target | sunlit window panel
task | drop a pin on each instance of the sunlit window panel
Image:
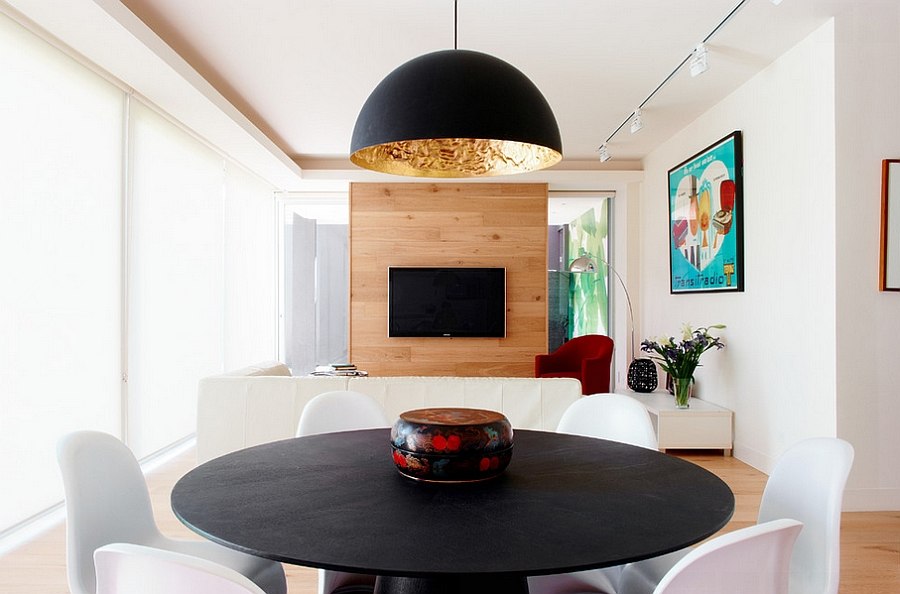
(176, 274)
(60, 263)
(251, 269)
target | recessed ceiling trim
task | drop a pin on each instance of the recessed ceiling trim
(143, 62)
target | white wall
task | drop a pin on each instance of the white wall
(868, 321)
(811, 341)
(778, 370)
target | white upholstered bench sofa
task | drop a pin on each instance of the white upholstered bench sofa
(263, 403)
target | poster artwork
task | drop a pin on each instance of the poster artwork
(705, 220)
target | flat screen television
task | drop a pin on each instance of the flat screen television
(448, 302)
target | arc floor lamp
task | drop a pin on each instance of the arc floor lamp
(642, 375)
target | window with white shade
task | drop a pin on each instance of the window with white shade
(251, 291)
(176, 268)
(60, 263)
(134, 260)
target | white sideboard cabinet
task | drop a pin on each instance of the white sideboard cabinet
(703, 426)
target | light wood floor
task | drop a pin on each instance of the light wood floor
(870, 542)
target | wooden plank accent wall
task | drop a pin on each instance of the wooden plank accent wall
(447, 224)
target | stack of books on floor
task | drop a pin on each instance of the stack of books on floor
(341, 369)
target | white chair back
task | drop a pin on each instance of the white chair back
(135, 569)
(329, 412)
(807, 484)
(753, 560)
(341, 410)
(106, 501)
(616, 417)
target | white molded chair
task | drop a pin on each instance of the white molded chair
(753, 560)
(807, 484)
(616, 417)
(341, 410)
(107, 501)
(592, 581)
(134, 569)
(329, 412)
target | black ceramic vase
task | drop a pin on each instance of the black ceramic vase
(642, 376)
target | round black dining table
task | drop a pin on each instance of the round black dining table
(565, 503)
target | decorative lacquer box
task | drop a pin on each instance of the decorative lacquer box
(451, 444)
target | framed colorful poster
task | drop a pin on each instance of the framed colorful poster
(706, 247)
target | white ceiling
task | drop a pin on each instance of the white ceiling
(300, 70)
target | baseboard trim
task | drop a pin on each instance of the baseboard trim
(867, 500)
(754, 458)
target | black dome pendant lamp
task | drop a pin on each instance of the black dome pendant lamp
(455, 113)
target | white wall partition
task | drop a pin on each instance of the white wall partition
(60, 259)
(300, 296)
(176, 275)
(316, 280)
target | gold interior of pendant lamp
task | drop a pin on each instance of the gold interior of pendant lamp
(455, 157)
(455, 113)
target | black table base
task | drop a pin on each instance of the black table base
(461, 584)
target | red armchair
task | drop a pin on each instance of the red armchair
(586, 358)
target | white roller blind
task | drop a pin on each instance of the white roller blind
(195, 290)
(60, 247)
(176, 278)
(251, 269)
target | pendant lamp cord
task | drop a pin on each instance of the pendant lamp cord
(455, 21)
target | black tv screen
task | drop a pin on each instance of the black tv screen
(446, 302)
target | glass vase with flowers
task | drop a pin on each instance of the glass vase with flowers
(680, 359)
